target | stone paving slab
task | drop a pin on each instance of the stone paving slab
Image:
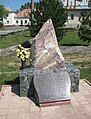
(14, 107)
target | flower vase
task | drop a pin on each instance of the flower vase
(23, 64)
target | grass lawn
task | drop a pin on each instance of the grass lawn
(9, 68)
(71, 38)
(10, 40)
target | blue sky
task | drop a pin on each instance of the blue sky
(14, 4)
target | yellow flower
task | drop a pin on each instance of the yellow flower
(22, 57)
(17, 50)
(25, 52)
(22, 48)
(22, 53)
(18, 54)
(27, 55)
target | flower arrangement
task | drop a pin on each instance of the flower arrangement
(22, 53)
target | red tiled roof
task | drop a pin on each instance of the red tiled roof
(23, 13)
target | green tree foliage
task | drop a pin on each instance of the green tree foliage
(25, 6)
(28, 5)
(48, 9)
(3, 12)
(85, 27)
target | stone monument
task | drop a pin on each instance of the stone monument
(51, 80)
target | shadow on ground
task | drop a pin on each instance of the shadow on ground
(32, 93)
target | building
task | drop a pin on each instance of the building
(9, 21)
(74, 8)
(21, 18)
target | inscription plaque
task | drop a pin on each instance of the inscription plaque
(52, 85)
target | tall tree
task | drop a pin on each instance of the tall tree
(85, 27)
(3, 12)
(49, 9)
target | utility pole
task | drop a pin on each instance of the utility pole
(32, 5)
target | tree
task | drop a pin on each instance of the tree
(28, 5)
(84, 31)
(3, 12)
(25, 6)
(48, 9)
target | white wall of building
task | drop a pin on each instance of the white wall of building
(79, 3)
(9, 20)
(21, 21)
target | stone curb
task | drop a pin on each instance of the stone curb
(64, 49)
(9, 51)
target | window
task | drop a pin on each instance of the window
(72, 16)
(89, 4)
(17, 21)
(25, 21)
(8, 22)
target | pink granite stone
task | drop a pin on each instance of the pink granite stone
(46, 48)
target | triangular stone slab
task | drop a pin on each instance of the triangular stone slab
(51, 79)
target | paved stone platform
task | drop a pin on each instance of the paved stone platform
(14, 107)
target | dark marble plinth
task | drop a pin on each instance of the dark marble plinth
(74, 74)
(26, 76)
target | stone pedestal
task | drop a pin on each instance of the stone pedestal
(26, 76)
(74, 74)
